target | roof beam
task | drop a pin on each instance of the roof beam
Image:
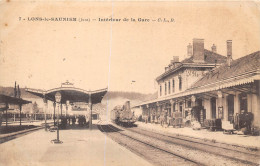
(199, 96)
(226, 92)
(239, 90)
(207, 94)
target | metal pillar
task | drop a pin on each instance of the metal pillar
(60, 109)
(58, 134)
(20, 107)
(90, 112)
(45, 106)
(54, 106)
(67, 107)
(58, 100)
(6, 114)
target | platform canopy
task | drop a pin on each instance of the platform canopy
(12, 100)
(5, 100)
(71, 94)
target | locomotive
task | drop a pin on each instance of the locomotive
(123, 115)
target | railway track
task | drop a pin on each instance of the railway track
(213, 143)
(242, 155)
(153, 153)
(198, 151)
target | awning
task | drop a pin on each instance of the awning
(222, 84)
(71, 94)
(11, 100)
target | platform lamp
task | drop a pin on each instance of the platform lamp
(58, 100)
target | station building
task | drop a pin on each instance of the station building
(207, 86)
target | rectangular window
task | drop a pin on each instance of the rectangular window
(180, 107)
(165, 88)
(169, 87)
(189, 104)
(180, 83)
(173, 88)
(160, 90)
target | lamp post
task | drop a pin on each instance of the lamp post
(45, 107)
(58, 100)
(90, 112)
(66, 114)
(54, 106)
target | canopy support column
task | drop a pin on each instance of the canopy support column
(172, 105)
(6, 104)
(90, 112)
(20, 107)
(60, 109)
(45, 107)
(54, 106)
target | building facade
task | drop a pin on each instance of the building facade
(207, 86)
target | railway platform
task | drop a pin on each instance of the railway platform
(216, 136)
(80, 146)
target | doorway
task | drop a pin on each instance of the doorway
(213, 107)
(230, 101)
(243, 102)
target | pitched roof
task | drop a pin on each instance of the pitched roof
(210, 57)
(243, 70)
(12, 100)
(238, 67)
(71, 93)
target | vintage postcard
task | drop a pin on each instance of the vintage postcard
(129, 83)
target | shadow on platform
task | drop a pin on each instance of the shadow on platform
(79, 127)
(15, 128)
(108, 128)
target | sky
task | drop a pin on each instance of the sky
(95, 55)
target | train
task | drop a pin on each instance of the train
(122, 115)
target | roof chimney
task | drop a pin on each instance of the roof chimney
(229, 52)
(189, 50)
(198, 50)
(175, 59)
(214, 48)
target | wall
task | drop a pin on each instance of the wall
(189, 76)
(256, 109)
(206, 105)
